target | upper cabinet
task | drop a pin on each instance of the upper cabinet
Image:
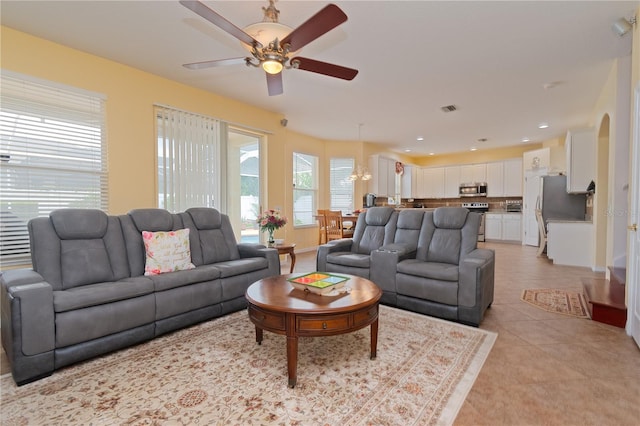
(409, 182)
(383, 176)
(433, 182)
(504, 178)
(580, 147)
(452, 182)
(470, 173)
(495, 179)
(513, 178)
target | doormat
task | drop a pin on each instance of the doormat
(558, 301)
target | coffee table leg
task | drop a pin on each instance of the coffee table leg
(258, 335)
(374, 338)
(292, 360)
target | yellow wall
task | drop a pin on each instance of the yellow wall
(479, 156)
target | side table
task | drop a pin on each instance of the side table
(286, 248)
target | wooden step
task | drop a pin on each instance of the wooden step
(605, 300)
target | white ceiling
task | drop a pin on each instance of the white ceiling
(490, 59)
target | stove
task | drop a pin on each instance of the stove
(481, 208)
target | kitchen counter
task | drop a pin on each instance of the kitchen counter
(568, 221)
(570, 242)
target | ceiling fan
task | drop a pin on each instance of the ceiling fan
(271, 43)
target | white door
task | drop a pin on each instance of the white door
(633, 267)
(531, 193)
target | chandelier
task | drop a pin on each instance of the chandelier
(360, 172)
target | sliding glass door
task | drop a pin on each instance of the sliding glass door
(244, 183)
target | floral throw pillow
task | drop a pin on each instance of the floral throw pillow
(167, 251)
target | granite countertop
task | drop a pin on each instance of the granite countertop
(568, 221)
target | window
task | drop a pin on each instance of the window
(305, 188)
(340, 186)
(52, 155)
(188, 160)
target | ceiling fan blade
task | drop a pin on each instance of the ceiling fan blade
(322, 22)
(274, 84)
(218, 20)
(214, 63)
(325, 68)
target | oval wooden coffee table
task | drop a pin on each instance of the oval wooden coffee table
(274, 305)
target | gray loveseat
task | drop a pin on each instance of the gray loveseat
(424, 261)
(88, 294)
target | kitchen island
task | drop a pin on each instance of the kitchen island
(570, 242)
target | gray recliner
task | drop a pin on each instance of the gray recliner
(449, 277)
(375, 228)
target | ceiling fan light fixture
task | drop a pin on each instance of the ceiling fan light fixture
(272, 66)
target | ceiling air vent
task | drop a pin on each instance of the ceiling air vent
(449, 108)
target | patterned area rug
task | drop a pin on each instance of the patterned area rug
(214, 373)
(557, 301)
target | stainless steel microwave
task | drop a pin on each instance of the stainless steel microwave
(475, 189)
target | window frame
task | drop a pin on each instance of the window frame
(312, 190)
(344, 181)
(53, 147)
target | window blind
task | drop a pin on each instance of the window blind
(341, 187)
(53, 155)
(305, 188)
(188, 159)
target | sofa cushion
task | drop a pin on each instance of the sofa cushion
(349, 259)
(84, 262)
(101, 293)
(152, 219)
(171, 280)
(450, 217)
(232, 268)
(79, 224)
(205, 218)
(167, 251)
(445, 246)
(432, 270)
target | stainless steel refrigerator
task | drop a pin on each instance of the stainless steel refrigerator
(556, 204)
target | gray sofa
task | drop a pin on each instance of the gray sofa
(87, 293)
(429, 263)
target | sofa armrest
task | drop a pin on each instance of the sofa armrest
(28, 324)
(331, 247)
(476, 279)
(28, 298)
(404, 251)
(258, 250)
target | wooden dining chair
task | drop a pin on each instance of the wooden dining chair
(334, 227)
(542, 230)
(322, 226)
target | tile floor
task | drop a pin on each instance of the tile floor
(545, 368)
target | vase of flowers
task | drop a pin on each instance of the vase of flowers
(269, 221)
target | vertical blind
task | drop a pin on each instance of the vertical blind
(53, 155)
(340, 186)
(188, 159)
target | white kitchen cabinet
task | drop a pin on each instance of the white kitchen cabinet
(409, 184)
(495, 179)
(512, 227)
(503, 226)
(580, 148)
(434, 182)
(512, 178)
(493, 226)
(473, 173)
(383, 181)
(452, 182)
(570, 243)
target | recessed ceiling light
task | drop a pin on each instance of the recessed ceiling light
(420, 138)
(473, 148)
(543, 125)
(407, 150)
(526, 140)
(432, 153)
